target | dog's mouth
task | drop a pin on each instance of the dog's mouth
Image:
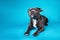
(34, 17)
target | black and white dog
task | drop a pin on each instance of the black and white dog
(36, 21)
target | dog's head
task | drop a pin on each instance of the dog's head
(34, 12)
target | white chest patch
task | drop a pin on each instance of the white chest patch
(34, 23)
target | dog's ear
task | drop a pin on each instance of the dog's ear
(40, 9)
(29, 9)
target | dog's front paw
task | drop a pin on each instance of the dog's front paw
(35, 34)
(26, 33)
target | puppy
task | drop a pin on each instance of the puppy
(36, 21)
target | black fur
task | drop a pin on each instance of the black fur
(41, 20)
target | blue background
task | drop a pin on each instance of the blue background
(14, 19)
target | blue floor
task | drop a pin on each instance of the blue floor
(14, 19)
(16, 32)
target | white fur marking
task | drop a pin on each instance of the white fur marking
(26, 34)
(34, 23)
(32, 16)
(33, 10)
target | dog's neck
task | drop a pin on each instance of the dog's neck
(37, 18)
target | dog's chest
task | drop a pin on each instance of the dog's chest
(34, 23)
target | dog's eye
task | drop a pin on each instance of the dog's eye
(32, 12)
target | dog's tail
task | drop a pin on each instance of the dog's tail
(46, 23)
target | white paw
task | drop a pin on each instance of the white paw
(26, 34)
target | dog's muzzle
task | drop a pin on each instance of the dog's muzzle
(32, 16)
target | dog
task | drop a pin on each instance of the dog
(36, 21)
